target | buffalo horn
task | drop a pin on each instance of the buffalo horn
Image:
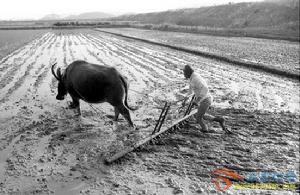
(52, 69)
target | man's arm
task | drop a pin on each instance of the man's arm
(190, 90)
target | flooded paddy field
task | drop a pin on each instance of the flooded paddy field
(10, 40)
(45, 148)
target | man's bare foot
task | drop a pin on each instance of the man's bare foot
(221, 121)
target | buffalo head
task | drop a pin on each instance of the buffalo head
(61, 89)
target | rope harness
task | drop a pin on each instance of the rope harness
(97, 110)
(143, 94)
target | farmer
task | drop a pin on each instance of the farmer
(203, 98)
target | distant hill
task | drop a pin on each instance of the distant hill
(90, 15)
(51, 17)
(83, 16)
(270, 13)
(291, 3)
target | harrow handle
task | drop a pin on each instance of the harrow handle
(189, 108)
(163, 118)
(160, 116)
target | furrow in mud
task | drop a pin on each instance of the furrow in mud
(125, 65)
(108, 51)
(72, 44)
(44, 70)
(5, 62)
(148, 54)
(11, 65)
(91, 52)
(135, 59)
(20, 86)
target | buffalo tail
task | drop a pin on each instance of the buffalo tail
(126, 93)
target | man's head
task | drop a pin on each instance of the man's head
(187, 71)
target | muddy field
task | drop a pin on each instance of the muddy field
(45, 148)
(274, 53)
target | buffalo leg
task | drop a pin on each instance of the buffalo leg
(125, 112)
(78, 110)
(75, 105)
(116, 114)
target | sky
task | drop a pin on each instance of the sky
(35, 9)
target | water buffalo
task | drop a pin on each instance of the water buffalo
(93, 84)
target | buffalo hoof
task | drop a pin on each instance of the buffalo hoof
(111, 117)
(73, 106)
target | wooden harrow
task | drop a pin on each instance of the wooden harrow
(158, 131)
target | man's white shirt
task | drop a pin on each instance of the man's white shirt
(199, 86)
